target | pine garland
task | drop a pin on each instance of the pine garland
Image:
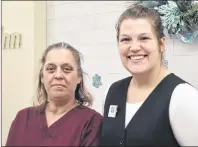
(171, 17)
(177, 16)
(191, 18)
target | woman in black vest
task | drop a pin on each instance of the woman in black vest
(154, 107)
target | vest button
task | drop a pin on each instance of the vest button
(121, 142)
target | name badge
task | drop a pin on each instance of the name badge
(112, 111)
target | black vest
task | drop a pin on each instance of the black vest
(149, 126)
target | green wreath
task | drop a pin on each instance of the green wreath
(180, 18)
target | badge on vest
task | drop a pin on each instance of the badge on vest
(113, 109)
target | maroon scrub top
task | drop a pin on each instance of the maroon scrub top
(81, 126)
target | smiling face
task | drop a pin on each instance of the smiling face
(60, 74)
(140, 49)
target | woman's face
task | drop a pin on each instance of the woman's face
(60, 74)
(140, 49)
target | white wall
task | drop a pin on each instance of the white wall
(19, 66)
(89, 26)
(183, 60)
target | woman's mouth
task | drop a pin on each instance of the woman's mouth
(137, 58)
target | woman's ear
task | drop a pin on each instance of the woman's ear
(162, 43)
(79, 80)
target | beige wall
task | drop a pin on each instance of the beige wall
(20, 66)
(0, 78)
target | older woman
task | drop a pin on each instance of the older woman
(62, 117)
(153, 107)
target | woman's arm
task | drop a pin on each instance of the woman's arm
(13, 132)
(183, 113)
(92, 131)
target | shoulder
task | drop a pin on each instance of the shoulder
(26, 112)
(117, 84)
(89, 117)
(184, 93)
(183, 96)
(122, 81)
(89, 112)
(21, 117)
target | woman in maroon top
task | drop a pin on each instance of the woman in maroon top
(62, 117)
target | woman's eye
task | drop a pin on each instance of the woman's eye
(124, 39)
(144, 38)
(66, 69)
(50, 69)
